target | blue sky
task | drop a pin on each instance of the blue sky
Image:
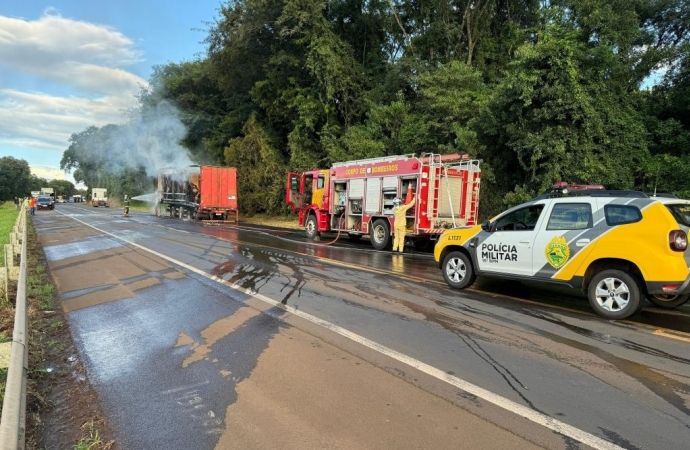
(66, 65)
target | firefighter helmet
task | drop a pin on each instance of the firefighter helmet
(397, 201)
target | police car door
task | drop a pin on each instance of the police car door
(508, 246)
(567, 230)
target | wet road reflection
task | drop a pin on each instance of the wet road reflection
(558, 361)
(421, 266)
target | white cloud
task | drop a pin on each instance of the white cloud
(86, 64)
(45, 121)
(77, 54)
(52, 173)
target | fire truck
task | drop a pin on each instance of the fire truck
(356, 197)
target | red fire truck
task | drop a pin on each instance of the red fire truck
(356, 197)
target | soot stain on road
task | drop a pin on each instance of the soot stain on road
(261, 267)
(471, 341)
(669, 389)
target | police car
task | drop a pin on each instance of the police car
(617, 246)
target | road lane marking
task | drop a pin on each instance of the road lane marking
(678, 335)
(486, 395)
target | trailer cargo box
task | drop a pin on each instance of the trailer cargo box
(218, 192)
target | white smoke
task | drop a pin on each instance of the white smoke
(150, 140)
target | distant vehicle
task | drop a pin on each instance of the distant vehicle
(70, 200)
(77, 198)
(35, 194)
(99, 197)
(44, 202)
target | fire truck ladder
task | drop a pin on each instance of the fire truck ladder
(471, 167)
(436, 165)
(372, 160)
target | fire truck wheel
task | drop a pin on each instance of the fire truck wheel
(380, 234)
(311, 228)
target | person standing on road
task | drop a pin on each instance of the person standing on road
(32, 206)
(126, 205)
(16, 203)
(400, 222)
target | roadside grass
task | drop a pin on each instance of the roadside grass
(93, 441)
(287, 221)
(8, 215)
(46, 336)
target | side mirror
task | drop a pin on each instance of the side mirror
(486, 226)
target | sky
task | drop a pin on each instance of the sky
(67, 65)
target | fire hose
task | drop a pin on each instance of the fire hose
(341, 223)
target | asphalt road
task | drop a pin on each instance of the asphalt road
(198, 337)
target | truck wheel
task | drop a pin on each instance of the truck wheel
(311, 228)
(380, 234)
(457, 270)
(668, 301)
(614, 294)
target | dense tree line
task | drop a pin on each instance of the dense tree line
(16, 180)
(541, 91)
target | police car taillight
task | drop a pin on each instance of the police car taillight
(678, 240)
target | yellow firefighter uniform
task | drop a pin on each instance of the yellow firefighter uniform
(400, 223)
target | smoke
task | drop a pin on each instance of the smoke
(149, 141)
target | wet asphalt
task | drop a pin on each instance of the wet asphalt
(169, 349)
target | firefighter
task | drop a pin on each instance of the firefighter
(399, 226)
(126, 205)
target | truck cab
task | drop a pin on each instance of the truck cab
(99, 197)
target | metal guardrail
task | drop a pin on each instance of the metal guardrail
(13, 420)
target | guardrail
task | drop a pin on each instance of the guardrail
(13, 420)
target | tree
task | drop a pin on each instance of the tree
(15, 178)
(260, 169)
(561, 114)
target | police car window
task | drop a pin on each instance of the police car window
(522, 219)
(570, 216)
(621, 214)
(681, 213)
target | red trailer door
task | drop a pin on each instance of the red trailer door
(218, 187)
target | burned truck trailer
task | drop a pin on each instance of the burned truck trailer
(198, 192)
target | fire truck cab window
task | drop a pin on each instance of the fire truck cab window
(320, 182)
(308, 189)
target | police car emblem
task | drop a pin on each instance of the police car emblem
(557, 252)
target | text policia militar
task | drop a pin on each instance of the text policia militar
(498, 252)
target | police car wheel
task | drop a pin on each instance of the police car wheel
(668, 301)
(458, 271)
(614, 294)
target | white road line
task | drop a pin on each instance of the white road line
(502, 402)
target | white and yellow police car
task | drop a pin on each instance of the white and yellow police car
(617, 246)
